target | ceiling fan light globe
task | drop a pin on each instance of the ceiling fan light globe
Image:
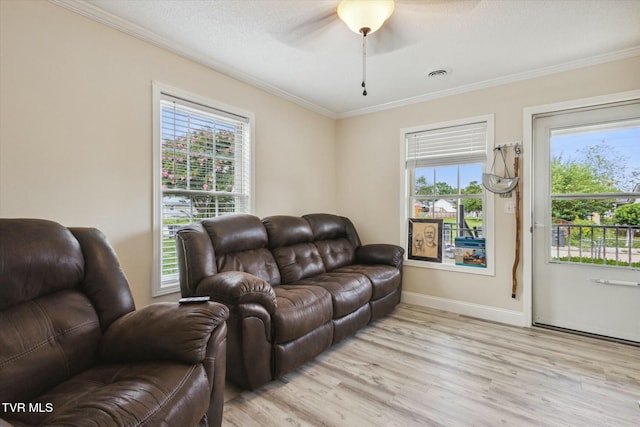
(359, 14)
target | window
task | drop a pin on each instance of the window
(442, 179)
(202, 155)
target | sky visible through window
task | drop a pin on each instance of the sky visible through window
(618, 147)
(449, 174)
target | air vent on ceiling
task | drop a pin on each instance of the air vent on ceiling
(438, 73)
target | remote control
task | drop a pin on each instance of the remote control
(193, 300)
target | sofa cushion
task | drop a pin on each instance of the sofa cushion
(290, 240)
(158, 393)
(384, 278)
(336, 239)
(349, 291)
(44, 342)
(298, 262)
(285, 230)
(258, 262)
(235, 233)
(301, 309)
(329, 227)
(336, 253)
(240, 244)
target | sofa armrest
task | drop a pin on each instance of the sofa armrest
(237, 287)
(380, 253)
(163, 331)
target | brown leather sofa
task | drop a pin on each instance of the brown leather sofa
(75, 352)
(294, 286)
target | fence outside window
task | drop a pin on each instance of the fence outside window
(613, 245)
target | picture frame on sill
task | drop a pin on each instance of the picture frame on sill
(425, 239)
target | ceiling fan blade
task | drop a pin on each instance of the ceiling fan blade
(389, 38)
(403, 29)
(316, 19)
(308, 30)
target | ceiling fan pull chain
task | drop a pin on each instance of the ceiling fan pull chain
(364, 32)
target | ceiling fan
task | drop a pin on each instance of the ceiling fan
(365, 17)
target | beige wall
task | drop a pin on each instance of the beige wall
(369, 162)
(76, 133)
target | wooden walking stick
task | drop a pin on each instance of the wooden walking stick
(516, 262)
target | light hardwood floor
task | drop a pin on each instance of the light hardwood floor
(423, 367)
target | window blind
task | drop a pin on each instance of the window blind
(206, 169)
(442, 146)
(203, 151)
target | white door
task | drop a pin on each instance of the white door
(586, 266)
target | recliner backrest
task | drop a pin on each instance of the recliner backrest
(335, 237)
(240, 244)
(291, 243)
(54, 303)
(37, 258)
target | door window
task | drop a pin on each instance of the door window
(595, 194)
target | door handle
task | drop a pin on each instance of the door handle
(616, 282)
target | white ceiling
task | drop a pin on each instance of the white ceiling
(300, 50)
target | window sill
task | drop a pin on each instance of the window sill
(488, 271)
(166, 289)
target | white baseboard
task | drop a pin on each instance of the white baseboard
(501, 315)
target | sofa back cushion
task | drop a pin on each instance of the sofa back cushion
(50, 329)
(290, 241)
(240, 244)
(335, 237)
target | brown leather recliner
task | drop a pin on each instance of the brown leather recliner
(75, 352)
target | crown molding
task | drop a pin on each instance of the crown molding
(92, 12)
(540, 72)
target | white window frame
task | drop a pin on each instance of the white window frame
(488, 203)
(158, 90)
